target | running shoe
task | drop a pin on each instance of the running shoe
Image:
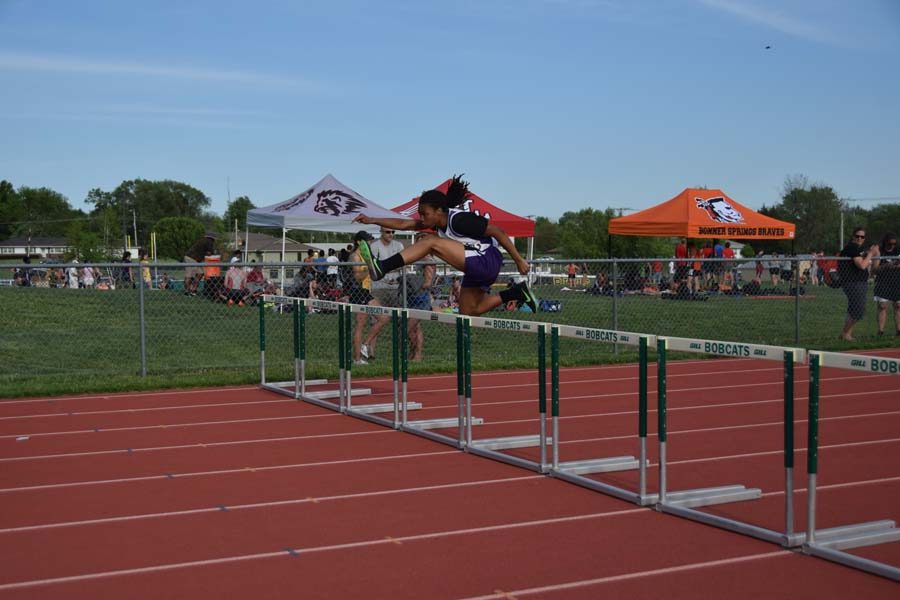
(364, 351)
(527, 297)
(366, 253)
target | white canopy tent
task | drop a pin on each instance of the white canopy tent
(328, 206)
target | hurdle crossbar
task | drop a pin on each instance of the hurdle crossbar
(575, 471)
(831, 543)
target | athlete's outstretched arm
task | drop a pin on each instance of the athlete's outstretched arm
(401, 224)
(500, 235)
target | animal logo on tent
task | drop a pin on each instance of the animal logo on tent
(720, 210)
(467, 206)
(295, 201)
(337, 203)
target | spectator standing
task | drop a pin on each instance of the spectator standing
(572, 270)
(682, 270)
(72, 274)
(387, 289)
(730, 266)
(146, 277)
(332, 269)
(707, 267)
(193, 274)
(356, 290)
(854, 270)
(887, 281)
(87, 276)
(418, 296)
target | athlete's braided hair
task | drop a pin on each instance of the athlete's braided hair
(456, 195)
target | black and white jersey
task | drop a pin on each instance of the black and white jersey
(469, 230)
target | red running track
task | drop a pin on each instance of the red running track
(243, 493)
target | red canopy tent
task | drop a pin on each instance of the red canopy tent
(513, 225)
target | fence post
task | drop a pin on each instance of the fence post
(615, 300)
(796, 301)
(143, 323)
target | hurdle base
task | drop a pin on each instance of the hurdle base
(600, 465)
(509, 459)
(851, 560)
(291, 383)
(442, 423)
(710, 496)
(383, 408)
(598, 486)
(325, 394)
(825, 537)
(858, 535)
(505, 443)
(291, 393)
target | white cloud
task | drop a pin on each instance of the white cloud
(12, 61)
(774, 20)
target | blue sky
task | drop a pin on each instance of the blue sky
(546, 105)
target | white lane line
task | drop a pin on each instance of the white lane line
(476, 404)
(779, 452)
(326, 415)
(571, 585)
(426, 488)
(388, 431)
(837, 486)
(149, 409)
(373, 494)
(197, 445)
(705, 430)
(451, 376)
(315, 549)
(227, 471)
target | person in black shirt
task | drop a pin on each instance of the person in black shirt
(466, 241)
(887, 281)
(855, 279)
(193, 274)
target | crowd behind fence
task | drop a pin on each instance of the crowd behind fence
(90, 320)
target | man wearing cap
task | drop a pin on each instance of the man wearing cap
(201, 248)
(387, 289)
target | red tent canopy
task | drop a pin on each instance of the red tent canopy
(513, 225)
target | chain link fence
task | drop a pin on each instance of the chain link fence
(70, 327)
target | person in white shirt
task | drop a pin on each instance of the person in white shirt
(385, 290)
(332, 269)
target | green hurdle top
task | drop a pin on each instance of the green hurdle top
(732, 349)
(880, 365)
(605, 335)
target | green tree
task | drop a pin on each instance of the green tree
(583, 234)
(815, 210)
(149, 201)
(237, 211)
(87, 245)
(11, 209)
(175, 235)
(44, 212)
(882, 219)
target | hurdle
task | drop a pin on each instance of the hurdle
(490, 447)
(292, 388)
(575, 471)
(683, 503)
(831, 543)
(463, 420)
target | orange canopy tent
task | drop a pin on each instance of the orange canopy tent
(701, 213)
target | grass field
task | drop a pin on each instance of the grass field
(65, 341)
